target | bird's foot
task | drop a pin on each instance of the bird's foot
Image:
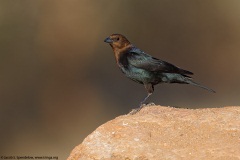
(150, 104)
(134, 111)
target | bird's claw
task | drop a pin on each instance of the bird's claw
(136, 110)
(150, 104)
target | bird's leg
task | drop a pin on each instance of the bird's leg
(149, 87)
(142, 103)
(134, 111)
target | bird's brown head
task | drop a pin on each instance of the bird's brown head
(117, 41)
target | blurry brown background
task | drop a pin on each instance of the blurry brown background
(59, 80)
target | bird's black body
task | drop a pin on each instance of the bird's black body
(145, 69)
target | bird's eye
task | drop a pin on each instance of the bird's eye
(115, 39)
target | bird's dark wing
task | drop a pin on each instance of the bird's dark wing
(140, 59)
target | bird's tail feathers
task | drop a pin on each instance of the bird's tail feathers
(189, 81)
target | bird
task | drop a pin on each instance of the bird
(146, 69)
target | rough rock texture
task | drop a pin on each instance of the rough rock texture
(158, 132)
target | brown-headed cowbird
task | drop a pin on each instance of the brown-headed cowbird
(145, 69)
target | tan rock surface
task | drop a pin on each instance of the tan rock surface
(158, 132)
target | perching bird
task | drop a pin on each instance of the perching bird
(145, 69)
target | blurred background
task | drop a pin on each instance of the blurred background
(59, 80)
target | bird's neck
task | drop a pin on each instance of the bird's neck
(121, 55)
(121, 59)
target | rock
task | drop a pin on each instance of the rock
(158, 132)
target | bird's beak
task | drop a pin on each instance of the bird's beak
(108, 40)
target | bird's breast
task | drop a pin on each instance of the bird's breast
(142, 76)
(132, 73)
